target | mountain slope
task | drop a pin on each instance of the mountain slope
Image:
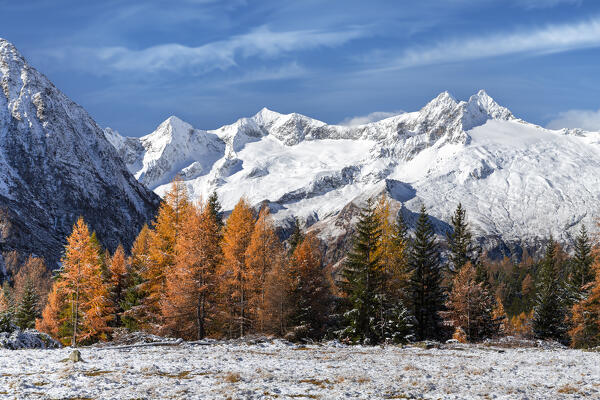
(57, 165)
(519, 182)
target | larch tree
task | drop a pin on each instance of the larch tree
(549, 310)
(585, 319)
(56, 317)
(278, 297)
(233, 273)
(119, 281)
(470, 306)
(363, 280)
(161, 252)
(190, 306)
(427, 298)
(261, 256)
(33, 271)
(311, 297)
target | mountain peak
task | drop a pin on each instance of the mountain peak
(482, 107)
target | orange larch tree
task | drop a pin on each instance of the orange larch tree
(119, 281)
(262, 254)
(233, 274)
(585, 319)
(161, 252)
(190, 305)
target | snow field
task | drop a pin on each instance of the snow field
(279, 370)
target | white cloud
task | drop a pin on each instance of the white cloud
(550, 39)
(532, 4)
(588, 120)
(223, 54)
(372, 117)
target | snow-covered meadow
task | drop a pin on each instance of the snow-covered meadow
(280, 370)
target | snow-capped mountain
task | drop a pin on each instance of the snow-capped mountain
(519, 182)
(55, 165)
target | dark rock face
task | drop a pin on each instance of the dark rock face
(56, 165)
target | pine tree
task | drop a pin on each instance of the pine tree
(459, 241)
(119, 281)
(133, 301)
(582, 273)
(470, 306)
(28, 308)
(33, 271)
(585, 320)
(296, 237)
(260, 258)
(232, 272)
(310, 292)
(215, 208)
(190, 305)
(161, 252)
(6, 308)
(363, 280)
(426, 294)
(549, 310)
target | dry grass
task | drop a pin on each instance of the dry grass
(568, 389)
(232, 377)
(96, 372)
(322, 383)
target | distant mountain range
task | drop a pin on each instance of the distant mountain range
(519, 182)
(55, 165)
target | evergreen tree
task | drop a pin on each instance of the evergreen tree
(133, 304)
(363, 280)
(426, 294)
(6, 308)
(582, 273)
(459, 241)
(214, 206)
(28, 308)
(549, 310)
(296, 237)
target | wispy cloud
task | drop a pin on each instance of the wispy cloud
(588, 120)
(261, 43)
(550, 39)
(533, 4)
(366, 119)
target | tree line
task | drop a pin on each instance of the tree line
(192, 275)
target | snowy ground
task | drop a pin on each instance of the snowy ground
(282, 370)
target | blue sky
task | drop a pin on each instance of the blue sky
(133, 64)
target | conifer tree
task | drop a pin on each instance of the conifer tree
(470, 306)
(6, 308)
(549, 310)
(296, 237)
(585, 320)
(119, 281)
(161, 252)
(28, 308)
(56, 316)
(133, 301)
(582, 273)
(260, 258)
(215, 208)
(363, 280)
(310, 291)
(34, 272)
(459, 241)
(426, 294)
(190, 305)
(233, 273)
(278, 298)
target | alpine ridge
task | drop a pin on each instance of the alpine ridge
(519, 182)
(57, 165)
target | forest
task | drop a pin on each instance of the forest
(193, 275)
